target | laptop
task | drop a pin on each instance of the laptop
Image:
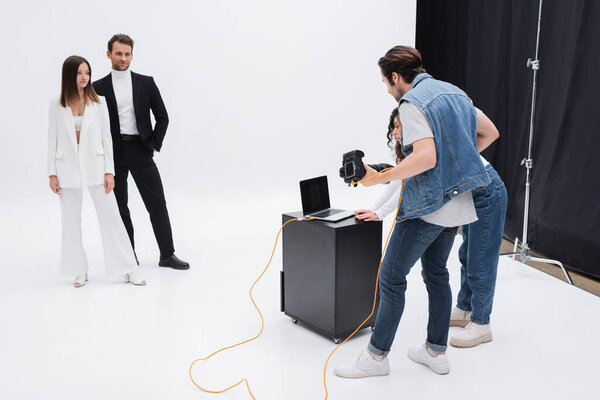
(315, 201)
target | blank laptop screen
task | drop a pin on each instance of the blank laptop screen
(315, 194)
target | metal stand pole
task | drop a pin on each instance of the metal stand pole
(528, 163)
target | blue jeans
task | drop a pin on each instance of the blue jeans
(411, 240)
(480, 250)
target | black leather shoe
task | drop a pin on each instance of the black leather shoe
(173, 262)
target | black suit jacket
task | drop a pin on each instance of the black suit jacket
(146, 98)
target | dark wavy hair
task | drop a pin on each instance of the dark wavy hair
(68, 91)
(398, 153)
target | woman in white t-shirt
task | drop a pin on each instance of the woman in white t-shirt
(388, 201)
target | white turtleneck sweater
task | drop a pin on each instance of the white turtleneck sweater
(121, 81)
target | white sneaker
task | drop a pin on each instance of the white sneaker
(472, 335)
(438, 364)
(363, 366)
(459, 317)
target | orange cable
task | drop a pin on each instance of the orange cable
(244, 380)
(262, 320)
(376, 289)
(371, 177)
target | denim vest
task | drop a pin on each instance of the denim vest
(451, 116)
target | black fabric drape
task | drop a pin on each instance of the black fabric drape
(482, 46)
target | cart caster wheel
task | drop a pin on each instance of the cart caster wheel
(336, 340)
(295, 321)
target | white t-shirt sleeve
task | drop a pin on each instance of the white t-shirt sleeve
(388, 201)
(478, 114)
(414, 123)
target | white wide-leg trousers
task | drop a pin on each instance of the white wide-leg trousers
(118, 253)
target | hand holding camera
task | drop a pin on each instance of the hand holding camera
(354, 169)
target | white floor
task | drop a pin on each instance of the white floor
(109, 340)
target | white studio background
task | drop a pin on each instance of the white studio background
(260, 95)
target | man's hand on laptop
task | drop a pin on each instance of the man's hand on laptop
(366, 215)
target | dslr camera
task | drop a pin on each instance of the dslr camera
(353, 169)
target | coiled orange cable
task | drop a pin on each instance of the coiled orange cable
(244, 380)
(262, 324)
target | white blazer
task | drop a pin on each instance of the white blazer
(94, 158)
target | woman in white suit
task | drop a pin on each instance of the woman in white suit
(80, 154)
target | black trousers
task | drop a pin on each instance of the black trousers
(136, 158)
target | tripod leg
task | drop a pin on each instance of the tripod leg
(515, 247)
(513, 253)
(548, 261)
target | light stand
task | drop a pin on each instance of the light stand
(523, 254)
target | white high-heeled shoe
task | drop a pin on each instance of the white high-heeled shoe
(135, 278)
(80, 280)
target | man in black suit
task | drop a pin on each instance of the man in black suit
(130, 98)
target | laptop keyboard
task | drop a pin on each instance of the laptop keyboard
(327, 213)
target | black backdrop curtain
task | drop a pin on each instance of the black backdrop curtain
(482, 46)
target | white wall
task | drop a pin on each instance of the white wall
(260, 94)
(257, 91)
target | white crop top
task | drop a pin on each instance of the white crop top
(77, 121)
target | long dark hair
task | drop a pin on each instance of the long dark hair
(398, 153)
(68, 89)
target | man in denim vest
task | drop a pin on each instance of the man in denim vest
(441, 168)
